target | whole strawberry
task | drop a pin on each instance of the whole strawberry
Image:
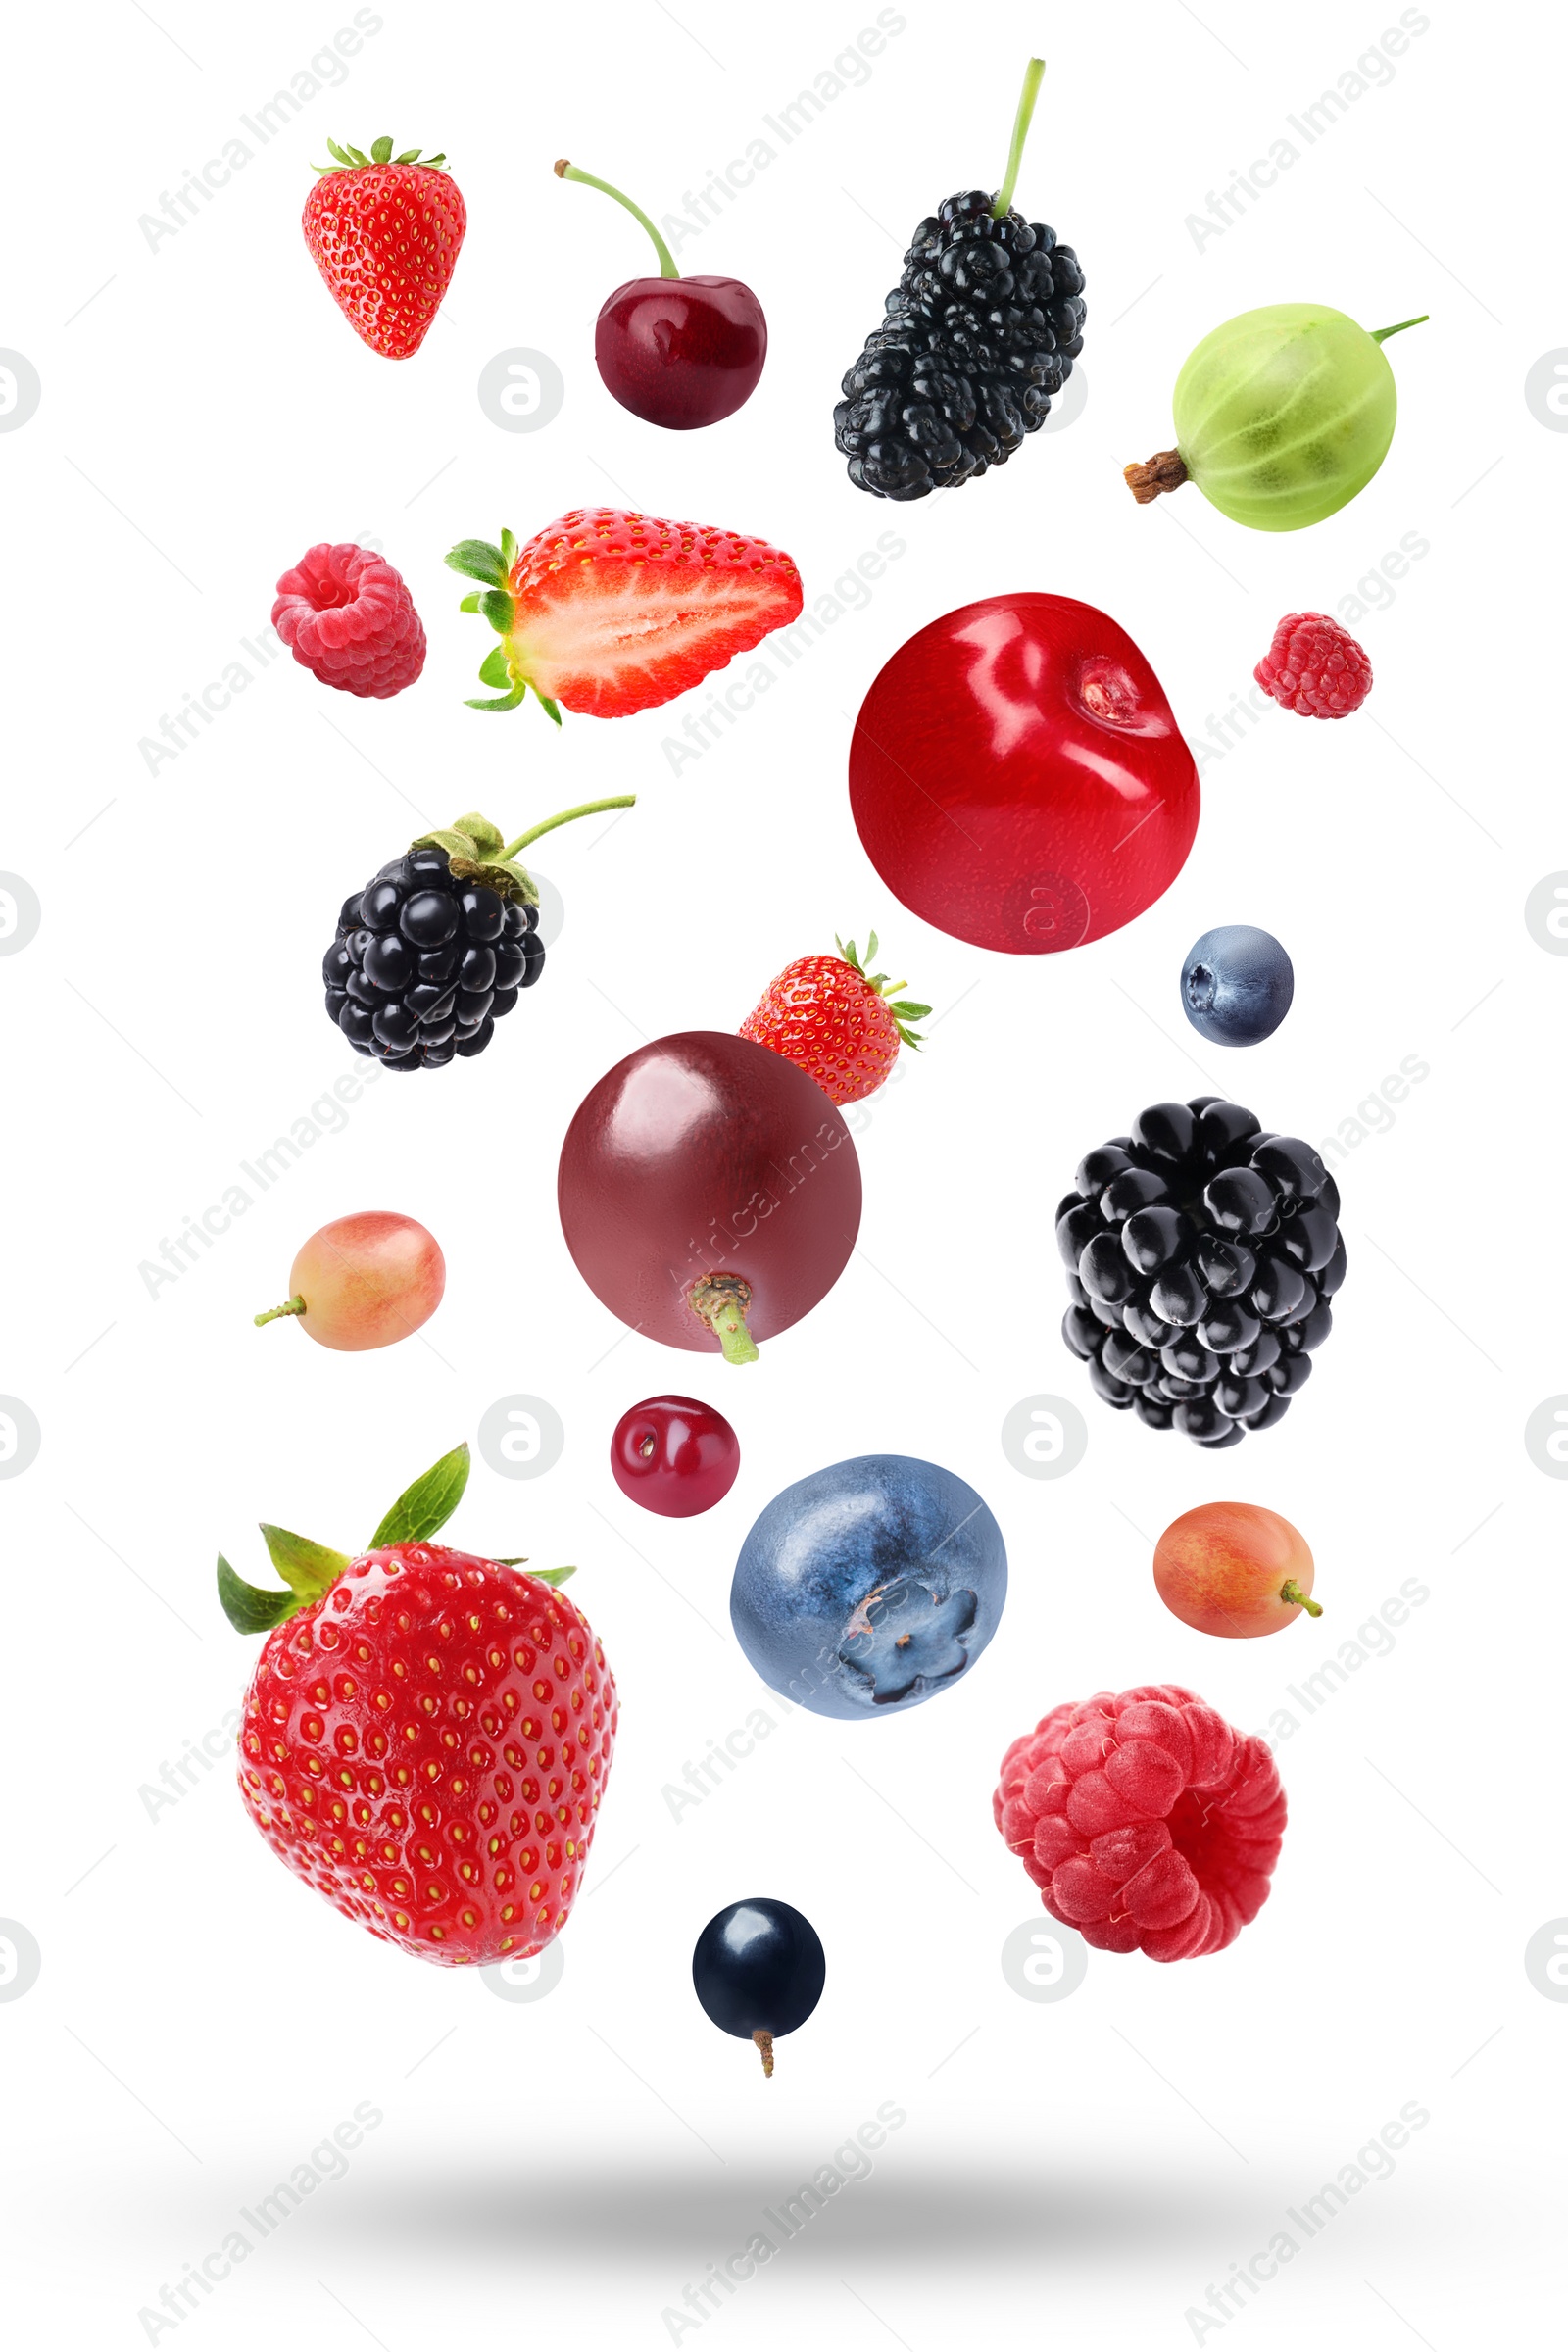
(428, 1733)
(385, 232)
(835, 1020)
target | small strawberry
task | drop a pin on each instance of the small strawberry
(609, 612)
(834, 1019)
(428, 1733)
(385, 231)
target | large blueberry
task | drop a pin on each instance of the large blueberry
(869, 1585)
(1237, 985)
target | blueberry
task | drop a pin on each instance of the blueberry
(759, 1969)
(1237, 985)
(870, 1586)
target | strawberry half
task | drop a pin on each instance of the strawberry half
(834, 1020)
(609, 612)
(428, 1733)
(385, 231)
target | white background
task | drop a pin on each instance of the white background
(561, 2171)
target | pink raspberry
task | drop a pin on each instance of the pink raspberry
(348, 617)
(1145, 1819)
(1315, 667)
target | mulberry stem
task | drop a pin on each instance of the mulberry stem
(1020, 132)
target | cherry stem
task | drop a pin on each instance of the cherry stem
(1292, 1592)
(290, 1306)
(1381, 334)
(627, 799)
(666, 260)
(764, 2043)
(1020, 132)
(722, 1300)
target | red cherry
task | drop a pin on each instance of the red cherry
(674, 1455)
(1017, 777)
(709, 1192)
(679, 352)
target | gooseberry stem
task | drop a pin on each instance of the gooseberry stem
(666, 260)
(290, 1306)
(627, 799)
(722, 1300)
(1291, 1591)
(1381, 334)
(765, 2044)
(1032, 79)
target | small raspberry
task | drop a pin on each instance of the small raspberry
(1145, 1819)
(1315, 667)
(348, 617)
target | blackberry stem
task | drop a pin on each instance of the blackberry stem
(1292, 1592)
(627, 799)
(666, 260)
(290, 1306)
(1032, 79)
(1381, 334)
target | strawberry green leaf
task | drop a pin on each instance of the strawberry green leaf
(409, 155)
(342, 153)
(248, 1610)
(551, 1576)
(434, 163)
(493, 670)
(478, 559)
(382, 152)
(553, 708)
(509, 549)
(503, 701)
(427, 1504)
(870, 948)
(308, 1569)
(500, 612)
(355, 156)
(906, 1011)
(471, 604)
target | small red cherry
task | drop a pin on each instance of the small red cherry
(674, 1455)
(678, 352)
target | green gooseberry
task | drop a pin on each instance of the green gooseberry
(1282, 415)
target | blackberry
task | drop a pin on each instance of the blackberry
(980, 333)
(438, 945)
(1201, 1255)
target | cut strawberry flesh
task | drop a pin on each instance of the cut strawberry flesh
(619, 612)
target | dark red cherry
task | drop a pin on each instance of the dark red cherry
(674, 1455)
(678, 352)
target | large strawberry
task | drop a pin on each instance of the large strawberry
(428, 1733)
(834, 1018)
(609, 612)
(384, 231)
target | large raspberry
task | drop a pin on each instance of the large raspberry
(349, 618)
(1145, 1819)
(1315, 667)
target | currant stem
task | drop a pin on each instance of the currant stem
(627, 799)
(765, 2044)
(290, 1306)
(1381, 334)
(666, 260)
(722, 1300)
(1292, 1592)
(1020, 132)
